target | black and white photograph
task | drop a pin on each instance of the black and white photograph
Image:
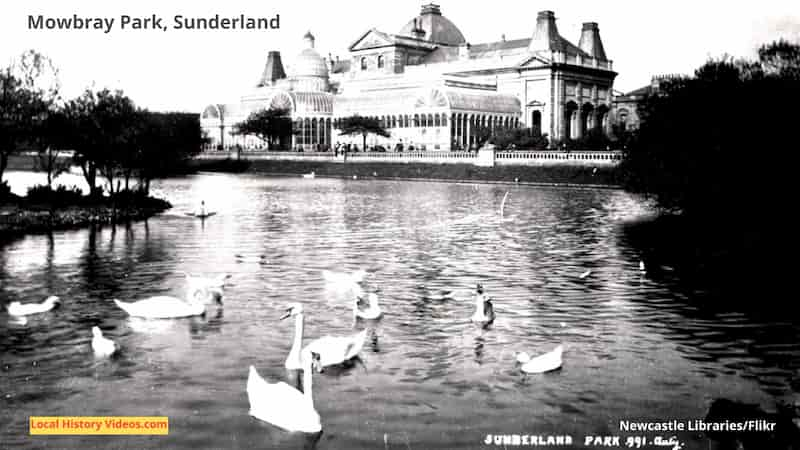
(409, 225)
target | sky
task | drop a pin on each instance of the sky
(185, 70)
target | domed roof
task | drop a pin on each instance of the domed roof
(309, 63)
(436, 27)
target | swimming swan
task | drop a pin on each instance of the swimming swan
(102, 346)
(213, 286)
(542, 363)
(309, 175)
(332, 350)
(164, 307)
(372, 312)
(282, 405)
(19, 309)
(484, 310)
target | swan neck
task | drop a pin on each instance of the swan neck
(480, 305)
(297, 343)
(307, 369)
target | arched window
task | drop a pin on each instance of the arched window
(444, 120)
(380, 62)
(363, 63)
(416, 120)
(437, 122)
(424, 121)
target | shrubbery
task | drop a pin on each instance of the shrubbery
(61, 196)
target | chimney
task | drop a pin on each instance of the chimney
(431, 8)
(590, 41)
(308, 38)
(545, 36)
(273, 70)
(418, 32)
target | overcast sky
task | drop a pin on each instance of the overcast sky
(185, 70)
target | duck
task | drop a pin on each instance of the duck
(372, 312)
(101, 345)
(20, 309)
(281, 404)
(332, 350)
(484, 310)
(542, 363)
(213, 286)
(165, 307)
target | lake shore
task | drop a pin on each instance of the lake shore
(553, 175)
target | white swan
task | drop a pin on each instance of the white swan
(542, 363)
(309, 175)
(19, 309)
(372, 312)
(213, 286)
(164, 307)
(332, 350)
(282, 405)
(102, 346)
(484, 310)
(585, 274)
(641, 266)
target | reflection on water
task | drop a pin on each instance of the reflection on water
(637, 346)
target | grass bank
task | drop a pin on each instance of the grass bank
(559, 175)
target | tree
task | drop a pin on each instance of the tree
(712, 145)
(363, 126)
(273, 126)
(780, 58)
(28, 90)
(166, 141)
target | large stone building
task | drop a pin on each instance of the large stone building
(431, 88)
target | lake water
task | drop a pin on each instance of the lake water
(637, 346)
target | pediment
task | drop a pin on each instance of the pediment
(533, 61)
(372, 39)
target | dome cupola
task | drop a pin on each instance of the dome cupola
(433, 27)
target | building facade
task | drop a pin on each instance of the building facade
(431, 88)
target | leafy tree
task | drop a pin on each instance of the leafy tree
(362, 125)
(780, 58)
(705, 142)
(22, 113)
(273, 126)
(166, 141)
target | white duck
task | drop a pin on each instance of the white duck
(372, 312)
(484, 310)
(542, 363)
(332, 350)
(164, 307)
(282, 405)
(19, 309)
(101, 345)
(213, 286)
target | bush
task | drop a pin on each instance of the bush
(60, 196)
(520, 138)
(138, 198)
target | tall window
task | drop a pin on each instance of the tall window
(363, 63)
(380, 62)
